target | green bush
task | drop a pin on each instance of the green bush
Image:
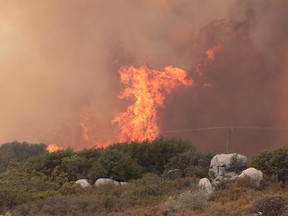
(116, 165)
(16, 151)
(273, 162)
(19, 184)
(191, 163)
(74, 166)
(47, 163)
(69, 188)
(66, 165)
(153, 156)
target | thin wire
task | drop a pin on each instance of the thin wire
(224, 127)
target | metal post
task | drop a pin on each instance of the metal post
(229, 130)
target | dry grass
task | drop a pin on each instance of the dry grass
(147, 196)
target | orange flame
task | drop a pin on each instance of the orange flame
(53, 148)
(139, 122)
(84, 128)
(210, 58)
(211, 52)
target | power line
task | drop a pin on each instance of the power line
(224, 127)
(229, 130)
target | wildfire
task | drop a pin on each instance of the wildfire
(209, 60)
(53, 147)
(211, 52)
(83, 120)
(148, 86)
(148, 89)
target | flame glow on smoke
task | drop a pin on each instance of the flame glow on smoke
(147, 88)
(211, 52)
(53, 147)
(62, 61)
(85, 130)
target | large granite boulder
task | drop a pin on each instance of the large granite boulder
(84, 183)
(105, 181)
(254, 174)
(227, 166)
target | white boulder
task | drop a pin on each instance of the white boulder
(205, 185)
(105, 181)
(227, 165)
(83, 183)
(254, 174)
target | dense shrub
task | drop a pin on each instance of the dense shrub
(88, 157)
(47, 163)
(74, 166)
(115, 165)
(16, 151)
(47, 182)
(270, 206)
(162, 150)
(69, 188)
(191, 163)
(19, 184)
(120, 161)
(66, 165)
(154, 156)
(273, 162)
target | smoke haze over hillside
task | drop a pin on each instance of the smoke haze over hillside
(59, 61)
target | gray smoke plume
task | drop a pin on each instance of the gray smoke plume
(59, 61)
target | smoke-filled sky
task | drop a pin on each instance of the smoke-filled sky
(59, 61)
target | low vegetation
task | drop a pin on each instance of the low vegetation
(273, 163)
(270, 205)
(42, 183)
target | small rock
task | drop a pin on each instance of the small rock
(105, 181)
(123, 183)
(254, 174)
(206, 185)
(84, 183)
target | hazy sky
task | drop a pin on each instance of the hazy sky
(59, 61)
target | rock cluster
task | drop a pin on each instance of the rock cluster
(228, 166)
(101, 181)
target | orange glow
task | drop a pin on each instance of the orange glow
(211, 52)
(84, 128)
(207, 85)
(208, 61)
(53, 148)
(147, 88)
(198, 70)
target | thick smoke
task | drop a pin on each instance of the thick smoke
(59, 62)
